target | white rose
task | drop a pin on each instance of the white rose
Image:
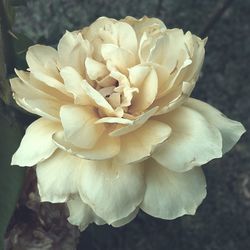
(118, 130)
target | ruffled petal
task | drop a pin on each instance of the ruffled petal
(57, 176)
(37, 144)
(106, 187)
(170, 194)
(80, 214)
(141, 143)
(106, 147)
(79, 125)
(230, 130)
(193, 141)
(137, 123)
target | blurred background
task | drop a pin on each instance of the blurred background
(222, 222)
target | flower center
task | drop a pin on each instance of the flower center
(119, 95)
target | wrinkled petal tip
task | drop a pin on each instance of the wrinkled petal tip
(46, 197)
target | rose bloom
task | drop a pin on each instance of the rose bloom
(118, 131)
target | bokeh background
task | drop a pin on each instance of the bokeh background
(222, 222)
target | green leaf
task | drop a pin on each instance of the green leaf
(11, 177)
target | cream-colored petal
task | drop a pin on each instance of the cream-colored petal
(147, 93)
(57, 176)
(37, 144)
(39, 57)
(97, 99)
(80, 214)
(106, 147)
(34, 100)
(95, 69)
(141, 143)
(175, 98)
(126, 37)
(137, 74)
(145, 24)
(30, 80)
(230, 130)
(79, 125)
(106, 187)
(137, 123)
(126, 220)
(170, 194)
(120, 58)
(50, 81)
(73, 82)
(42, 61)
(197, 51)
(73, 50)
(193, 141)
(114, 120)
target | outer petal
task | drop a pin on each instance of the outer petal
(57, 176)
(170, 194)
(34, 100)
(230, 130)
(106, 147)
(79, 125)
(37, 144)
(140, 144)
(126, 220)
(112, 190)
(42, 61)
(40, 57)
(81, 215)
(193, 141)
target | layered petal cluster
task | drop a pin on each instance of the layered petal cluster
(118, 131)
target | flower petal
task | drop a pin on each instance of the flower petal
(57, 176)
(37, 144)
(95, 69)
(81, 215)
(97, 98)
(137, 123)
(175, 98)
(126, 37)
(40, 57)
(106, 187)
(34, 100)
(170, 194)
(120, 58)
(141, 143)
(106, 147)
(230, 130)
(193, 141)
(147, 93)
(125, 220)
(73, 50)
(73, 82)
(79, 125)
